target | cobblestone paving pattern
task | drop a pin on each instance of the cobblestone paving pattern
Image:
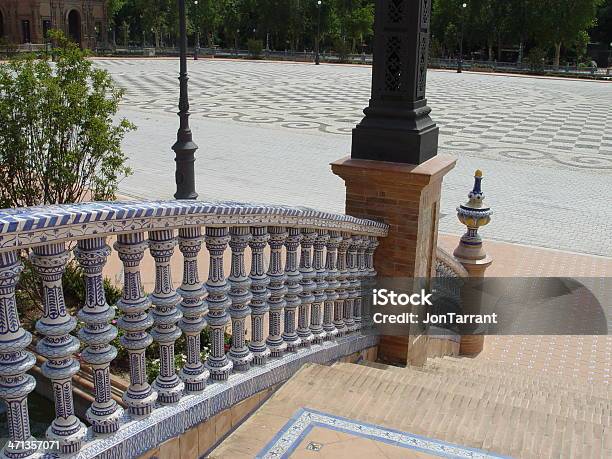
(267, 132)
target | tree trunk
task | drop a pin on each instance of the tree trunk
(557, 55)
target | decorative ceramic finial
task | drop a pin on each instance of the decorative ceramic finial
(473, 214)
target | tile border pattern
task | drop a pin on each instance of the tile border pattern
(293, 432)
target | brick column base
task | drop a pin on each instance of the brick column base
(472, 345)
(407, 198)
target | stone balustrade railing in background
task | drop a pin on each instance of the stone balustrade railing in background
(311, 300)
(447, 266)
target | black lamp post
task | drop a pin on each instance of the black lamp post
(184, 147)
(197, 44)
(317, 54)
(460, 63)
(397, 126)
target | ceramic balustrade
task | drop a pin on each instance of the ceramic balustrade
(310, 291)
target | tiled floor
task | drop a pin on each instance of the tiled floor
(584, 358)
(267, 132)
(515, 260)
(313, 434)
(323, 443)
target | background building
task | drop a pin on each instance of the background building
(27, 21)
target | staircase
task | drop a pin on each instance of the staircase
(474, 403)
(482, 405)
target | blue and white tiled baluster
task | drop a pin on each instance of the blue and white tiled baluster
(277, 290)
(308, 286)
(331, 294)
(353, 284)
(240, 295)
(370, 279)
(292, 299)
(58, 346)
(259, 302)
(104, 413)
(217, 362)
(15, 361)
(194, 308)
(361, 275)
(166, 315)
(140, 396)
(340, 303)
(316, 310)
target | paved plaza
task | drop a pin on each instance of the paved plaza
(267, 132)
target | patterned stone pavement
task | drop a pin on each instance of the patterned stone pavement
(268, 130)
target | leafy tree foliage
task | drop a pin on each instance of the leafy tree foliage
(58, 142)
(489, 29)
(511, 25)
(562, 22)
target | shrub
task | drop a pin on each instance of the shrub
(255, 47)
(7, 49)
(59, 143)
(342, 48)
(535, 60)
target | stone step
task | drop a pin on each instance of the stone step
(510, 373)
(491, 363)
(570, 406)
(478, 378)
(516, 382)
(457, 418)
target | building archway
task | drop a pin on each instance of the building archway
(74, 26)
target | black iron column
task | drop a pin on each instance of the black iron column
(184, 147)
(460, 63)
(318, 40)
(197, 21)
(397, 126)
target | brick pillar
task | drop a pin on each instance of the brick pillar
(407, 198)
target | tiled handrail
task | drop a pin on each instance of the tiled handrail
(321, 289)
(30, 226)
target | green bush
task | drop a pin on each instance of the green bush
(255, 47)
(535, 60)
(342, 48)
(58, 142)
(180, 354)
(7, 49)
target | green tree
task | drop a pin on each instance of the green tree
(602, 32)
(561, 22)
(207, 18)
(114, 7)
(359, 23)
(59, 143)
